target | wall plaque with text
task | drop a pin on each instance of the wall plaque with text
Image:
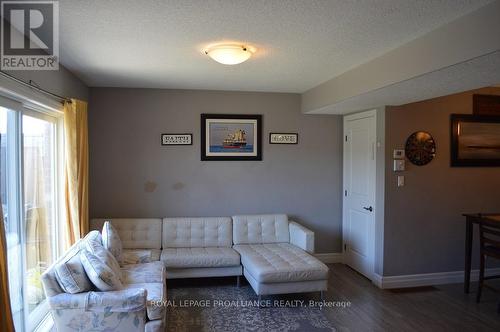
(176, 139)
(283, 138)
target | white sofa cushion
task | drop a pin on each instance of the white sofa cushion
(111, 240)
(197, 232)
(51, 284)
(70, 273)
(280, 262)
(155, 298)
(264, 228)
(199, 257)
(93, 244)
(92, 236)
(135, 233)
(145, 272)
(101, 275)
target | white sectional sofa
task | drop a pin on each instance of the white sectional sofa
(274, 254)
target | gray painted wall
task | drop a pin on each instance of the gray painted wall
(131, 175)
(424, 231)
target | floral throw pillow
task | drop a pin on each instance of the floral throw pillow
(101, 275)
(70, 273)
(97, 249)
(111, 241)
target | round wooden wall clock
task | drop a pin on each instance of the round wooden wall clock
(420, 148)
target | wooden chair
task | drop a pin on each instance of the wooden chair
(489, 237)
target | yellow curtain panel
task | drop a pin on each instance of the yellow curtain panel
(77, 170)
(6, 322)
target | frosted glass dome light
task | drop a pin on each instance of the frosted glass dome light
(229, 54)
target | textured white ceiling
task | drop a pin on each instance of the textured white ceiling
(131, 43)
(480, 72)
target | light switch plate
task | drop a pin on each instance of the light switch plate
(399, 165)
(398, 154)
(401, 180)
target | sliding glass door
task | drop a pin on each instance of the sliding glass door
(10, 196)
(39, 204)
(29, 194)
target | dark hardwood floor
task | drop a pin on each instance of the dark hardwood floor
(429, 309)
(439, 308)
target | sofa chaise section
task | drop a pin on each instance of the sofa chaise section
(199, 247)
(276, 255)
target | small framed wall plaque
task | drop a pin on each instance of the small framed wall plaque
(176, 139)
(283, 138)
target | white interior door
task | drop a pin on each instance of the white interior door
(359, 191)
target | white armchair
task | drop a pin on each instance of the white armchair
(136, 307)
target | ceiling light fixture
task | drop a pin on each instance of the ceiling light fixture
(230, 54)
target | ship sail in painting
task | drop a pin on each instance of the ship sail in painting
(235, 140)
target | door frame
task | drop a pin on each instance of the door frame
(25, 102)
(355, 116)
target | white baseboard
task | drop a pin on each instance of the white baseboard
(411, 280)
(330, 258)
(427, 279)
(377, 280)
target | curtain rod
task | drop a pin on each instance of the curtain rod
(35, 87)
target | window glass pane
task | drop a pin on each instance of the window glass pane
(9, 196)
(39, 205)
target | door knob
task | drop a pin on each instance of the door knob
(368, 208)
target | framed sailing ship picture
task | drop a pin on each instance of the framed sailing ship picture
(475, 140)
(231, 137)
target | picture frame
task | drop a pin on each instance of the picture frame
(226, 137)
(475, 140)
(176, 139)
(284, 138)
(486, 104)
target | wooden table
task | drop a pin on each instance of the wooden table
(470, 220)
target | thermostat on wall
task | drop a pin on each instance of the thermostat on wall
(398, 154)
